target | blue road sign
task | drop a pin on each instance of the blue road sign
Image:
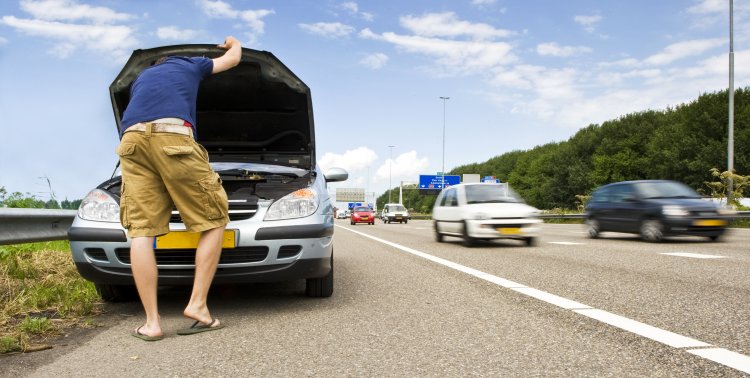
(491, 179)
(436, 182)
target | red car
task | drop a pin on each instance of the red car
(362, 214)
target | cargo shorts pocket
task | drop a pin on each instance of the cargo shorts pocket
(125, 149)
(215, 198)
(177, 150)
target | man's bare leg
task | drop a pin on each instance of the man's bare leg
(206, 259)
(146, 276)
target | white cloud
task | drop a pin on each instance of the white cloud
(353, 161)
(709, 6)
(253, 19)
(350, 6)
(483, 2)
(328, 29)
(459, 56)
(553, 49)
(69, 10)
(448, 25)
(374, 61)
(405, 167)
(175, 33)
(683, 49)
(588, 22)
(113, 40)
(3, 41)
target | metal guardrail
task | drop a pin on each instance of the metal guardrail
(34, 225)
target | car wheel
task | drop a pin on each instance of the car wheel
(651, 231)
(352, 223)
(117, 293)
(531, 242)
(406, 221)
(438, 235)
(468, 240)
(320, 287)
(714, 237)
(592, 227)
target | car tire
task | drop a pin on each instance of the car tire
(592, 228)
(652, 231)
(531, 242)
(714, 238)
(320, 287)
(468, 240)
(438, 235)
(117, 293)
(406, 221)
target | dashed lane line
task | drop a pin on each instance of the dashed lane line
(692, 255)
(721, 356)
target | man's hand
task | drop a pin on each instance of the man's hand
(228, 43)
(230, 58)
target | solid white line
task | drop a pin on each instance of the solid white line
(693, 255)
(719, 355)
(650, 332)
(734, 360)
(566, 243)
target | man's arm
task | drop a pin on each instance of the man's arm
(230, 58)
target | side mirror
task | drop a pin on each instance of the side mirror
(336, 174)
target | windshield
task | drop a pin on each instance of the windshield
(665, 189)
(491, 194)
(396, 208)
(362, 208)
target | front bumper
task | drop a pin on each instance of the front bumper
(521, 228)
(714, 226)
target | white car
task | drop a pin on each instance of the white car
(484, 211)
(394, 212)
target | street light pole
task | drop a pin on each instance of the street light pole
(730, 137)
(390, 173)
(443, 169)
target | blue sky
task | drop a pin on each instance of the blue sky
(518, 74)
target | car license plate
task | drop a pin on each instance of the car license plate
(189, 240)
(709, 222)
(509, 230)
(364, 218)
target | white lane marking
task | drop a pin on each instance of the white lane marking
(566, 243)
(721, 356)
(734, 360)
(650, 332)
(421, 228)
(692, 255)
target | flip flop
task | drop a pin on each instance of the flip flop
(137, 333)
(199, 327)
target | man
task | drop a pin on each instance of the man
(162, 165)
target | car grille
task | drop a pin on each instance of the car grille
(96, 254)
(289, 251)
(187, 256)
(236, 212)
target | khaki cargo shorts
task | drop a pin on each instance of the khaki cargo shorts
(161, 170)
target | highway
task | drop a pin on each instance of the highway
(406, 305)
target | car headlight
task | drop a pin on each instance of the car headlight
(674, 211)
(99, 206)
(298, 204)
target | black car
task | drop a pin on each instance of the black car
(654, 209)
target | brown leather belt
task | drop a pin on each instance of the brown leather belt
(153, 127)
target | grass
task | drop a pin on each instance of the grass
(41, 294)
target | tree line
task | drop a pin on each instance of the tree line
(682, 143)
(21, 200)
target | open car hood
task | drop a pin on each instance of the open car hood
(258, 111)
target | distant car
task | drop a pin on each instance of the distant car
(475, 211)
(348, 213)
(362, 214)
(256, 125)
(394, 212)
(340, 214)
(654, 209)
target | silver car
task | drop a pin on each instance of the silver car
(256, 122)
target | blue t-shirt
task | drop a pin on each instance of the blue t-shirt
(168, 89)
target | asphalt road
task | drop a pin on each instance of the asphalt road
(406, 305)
